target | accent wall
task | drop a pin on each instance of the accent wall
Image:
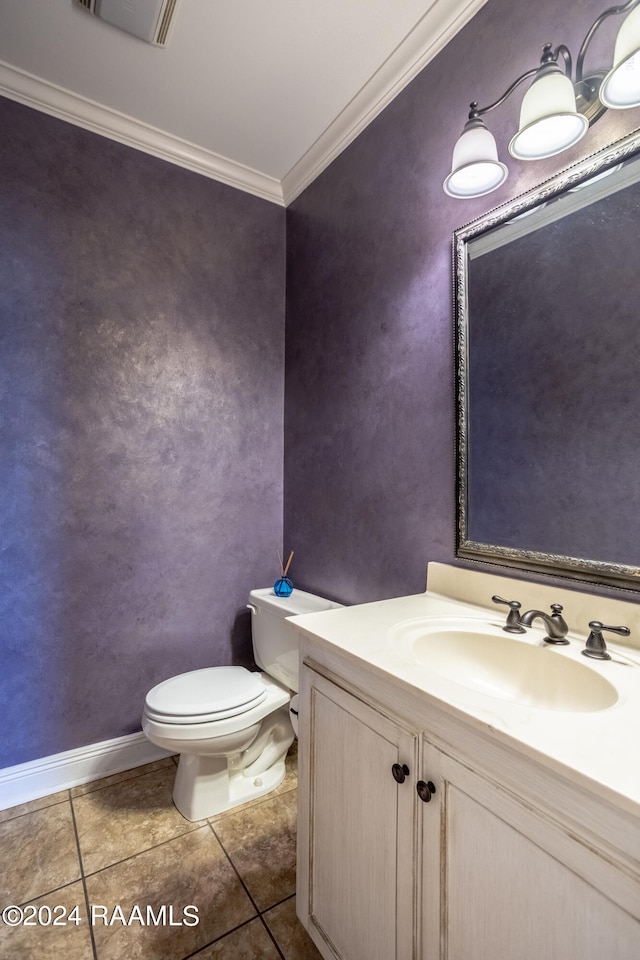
(141, 439)
(370, 404)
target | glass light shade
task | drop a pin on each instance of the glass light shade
(549, 121)
(475, 168)
(621, 86)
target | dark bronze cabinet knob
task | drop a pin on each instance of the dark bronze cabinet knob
(425, 789)
(399, 772)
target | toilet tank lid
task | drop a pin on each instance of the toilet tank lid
(297, 603)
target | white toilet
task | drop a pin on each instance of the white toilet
(232, 727)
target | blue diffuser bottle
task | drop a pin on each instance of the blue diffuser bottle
(283, 587)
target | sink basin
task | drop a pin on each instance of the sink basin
(482, 657)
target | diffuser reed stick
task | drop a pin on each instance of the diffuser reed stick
(283, 586)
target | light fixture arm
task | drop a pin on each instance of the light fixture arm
(562, 51)
(549, 55)
(612, 11)
(476, 111)
(556, 110)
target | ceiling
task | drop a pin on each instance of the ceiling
(260, 95)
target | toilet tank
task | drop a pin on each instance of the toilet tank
(275, 642)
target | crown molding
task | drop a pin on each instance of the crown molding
(438, 25)
(431, 34)
(65, 105)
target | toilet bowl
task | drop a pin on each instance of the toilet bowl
(231, 726)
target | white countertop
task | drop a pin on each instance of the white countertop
(600, 747)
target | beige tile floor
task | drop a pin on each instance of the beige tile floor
(118, 844)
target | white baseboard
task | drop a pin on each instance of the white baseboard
(39, 778)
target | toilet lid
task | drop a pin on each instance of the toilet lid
(210, 694)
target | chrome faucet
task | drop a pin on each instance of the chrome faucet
(557, 629)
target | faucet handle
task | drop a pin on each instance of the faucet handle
(556, 614)
(513, 617)
(596, 647)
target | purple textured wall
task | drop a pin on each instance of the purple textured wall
(141, 437)
(141, 378)
(369, 409)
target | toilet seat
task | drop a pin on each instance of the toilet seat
(182, 730)
(201, 696)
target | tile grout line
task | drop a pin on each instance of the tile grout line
(27, 813)
(235, 870)
(48, 893)
(106, 786)
(154, 846)
(191, 956)
(270, 934)
(69, 791)
(246, 889)
(82, 876)
(258, 914)
(279, 903)
(189, 828)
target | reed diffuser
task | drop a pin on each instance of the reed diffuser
(283, 587)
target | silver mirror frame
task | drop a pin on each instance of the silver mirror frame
(618, 575)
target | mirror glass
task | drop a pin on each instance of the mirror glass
(547, 297)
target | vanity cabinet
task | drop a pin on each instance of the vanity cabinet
(515, 885)
(357, 855)
(463, 868)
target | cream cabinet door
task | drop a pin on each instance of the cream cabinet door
(515, 885)
(357, 826)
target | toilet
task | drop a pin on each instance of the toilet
(233, 727)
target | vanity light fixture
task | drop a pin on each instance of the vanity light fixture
(556, 111)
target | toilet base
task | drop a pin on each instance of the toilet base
(195, 794)
(208, 785)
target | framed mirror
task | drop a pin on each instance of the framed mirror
(547, 313)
